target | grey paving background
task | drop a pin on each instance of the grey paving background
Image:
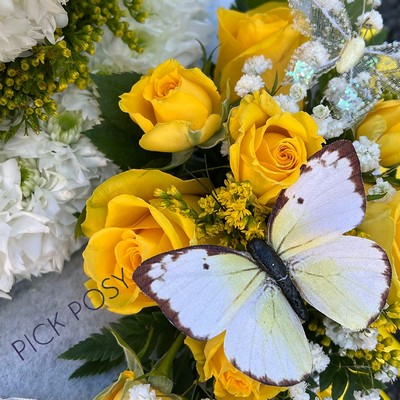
(52, 301)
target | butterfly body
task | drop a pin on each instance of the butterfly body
(265, 256)
(207, 290)
(351, 54)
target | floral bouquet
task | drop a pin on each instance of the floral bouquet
(251, 241)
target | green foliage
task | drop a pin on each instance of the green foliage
(118, 136)
(149, 334)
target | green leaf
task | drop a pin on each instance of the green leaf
(97, 347)
(339, 384)
(326, 376)
(118, 136)
(131, 358)
(78, 227)
(94, 367)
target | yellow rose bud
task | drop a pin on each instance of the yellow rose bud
(127, 225)
(177, 108)
(382, 224)
(271, 146)
(382, 125)
(267, 30)
(230, 383)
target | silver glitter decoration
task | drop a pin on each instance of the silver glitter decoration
(330, 29)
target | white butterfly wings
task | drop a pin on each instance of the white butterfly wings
(205, 290)
(346, 278)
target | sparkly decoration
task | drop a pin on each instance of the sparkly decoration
(368, 71)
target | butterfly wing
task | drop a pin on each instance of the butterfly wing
(346, 278)
(266, 341)
(326, 201)
(205, 290)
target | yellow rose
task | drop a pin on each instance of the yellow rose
(126, 225)
(115, 390)
(127, 388)
(267, 30)
(382, 125)
(382, 224)
(177, 108)
(230, 383)
(270, 145)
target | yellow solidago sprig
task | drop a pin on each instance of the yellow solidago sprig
(231, 215)
(27, 84)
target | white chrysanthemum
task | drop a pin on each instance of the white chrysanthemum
(24, 23)
(298, 392)
(142, 392)
(387, 373)
(256, 65)
(53, 174)
(368, 153)
(174, 29)
(286, 103)
(248, 84)
(371, 20)
(371, 394)
(319, 359)
(365, 339)
(382, 187)
(21, 233)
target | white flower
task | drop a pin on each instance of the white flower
(335, 6)
(142, 392)
(387, 373)
(368, 153)
(297, 92)
(382, 187)
(256, 65)
(298, 392)
(371, 394)
(329, 127)
(248, 84)
(173, 29)
(320, 111)
(24, 23)
(365, 339)
(371, 20)
(59, 167)
(286, 103)
(320, 359)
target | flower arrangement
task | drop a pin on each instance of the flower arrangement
(209, 158)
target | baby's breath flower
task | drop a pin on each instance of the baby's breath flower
(371, 20)
(387, 373)
(351, 340)
(298, 392)
(256, 65)
(297, 92)
(368, 153)
(382, 187)
(320, 111)
(142, 392)
(286, 103)
(371, 394)
(248, 84)
(320, 359)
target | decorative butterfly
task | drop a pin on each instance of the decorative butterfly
(366, 71)
(257, 298)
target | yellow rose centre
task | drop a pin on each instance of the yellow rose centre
(165, 85)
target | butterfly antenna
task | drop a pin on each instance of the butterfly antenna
(199, 181)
